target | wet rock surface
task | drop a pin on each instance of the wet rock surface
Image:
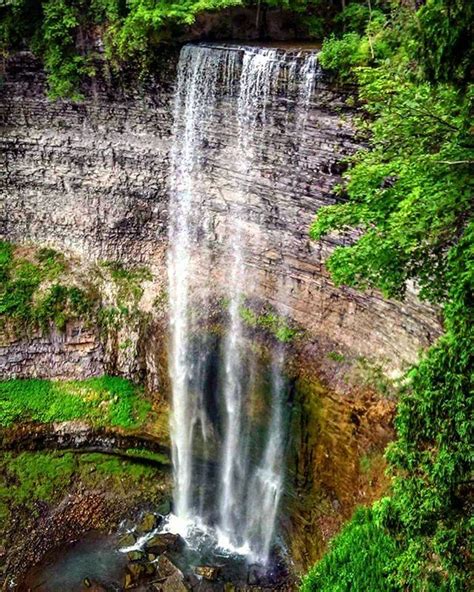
(159, 543)
(138, 569)
(148, 523)
(207, 572)
(79, 435)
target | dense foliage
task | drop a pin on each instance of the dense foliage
(68, 33)
(32, 293)
(358, 561)
(409, 195)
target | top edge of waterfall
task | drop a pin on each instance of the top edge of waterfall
(290, 48)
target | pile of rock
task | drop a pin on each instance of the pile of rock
(151, 567)
(149, 563)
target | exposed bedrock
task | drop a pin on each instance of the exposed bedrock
(75, 352)
(93, 178)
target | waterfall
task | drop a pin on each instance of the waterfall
(210, 422)
(195, 98)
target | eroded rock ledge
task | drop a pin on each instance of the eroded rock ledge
(81, 436)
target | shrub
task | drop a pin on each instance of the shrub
(358, 559)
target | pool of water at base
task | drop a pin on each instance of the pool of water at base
(98, 562)
(93, 560)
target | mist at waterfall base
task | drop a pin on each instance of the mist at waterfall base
(229, 411)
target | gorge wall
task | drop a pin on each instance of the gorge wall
(92, 178)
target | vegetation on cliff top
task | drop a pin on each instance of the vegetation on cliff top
(410, 197)
(68, 34)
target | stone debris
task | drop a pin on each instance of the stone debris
(135, 555)
(160, 543)
(171, 578)
(148, 522)
(127, 540)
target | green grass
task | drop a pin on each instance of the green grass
(357, 560)
(106, 400)
(36, 475)
(113, 466)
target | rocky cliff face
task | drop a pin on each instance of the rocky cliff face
(73, 353)
(89, 177)
(93, 178)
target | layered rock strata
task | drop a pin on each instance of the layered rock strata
(93, 178)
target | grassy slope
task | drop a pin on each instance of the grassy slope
(104, 401)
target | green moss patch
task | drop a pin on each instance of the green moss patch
(36, 292)
(104, 401)
(271, 322)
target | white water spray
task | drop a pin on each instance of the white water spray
(214, 428)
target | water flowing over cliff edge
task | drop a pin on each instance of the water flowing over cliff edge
(213, 415)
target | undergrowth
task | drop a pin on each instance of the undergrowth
(358, 560)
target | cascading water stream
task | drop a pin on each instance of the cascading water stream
(211, 423)
(255, 83)
(187, 222)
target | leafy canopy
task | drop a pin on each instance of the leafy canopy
(61, 31)
(405, 208)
